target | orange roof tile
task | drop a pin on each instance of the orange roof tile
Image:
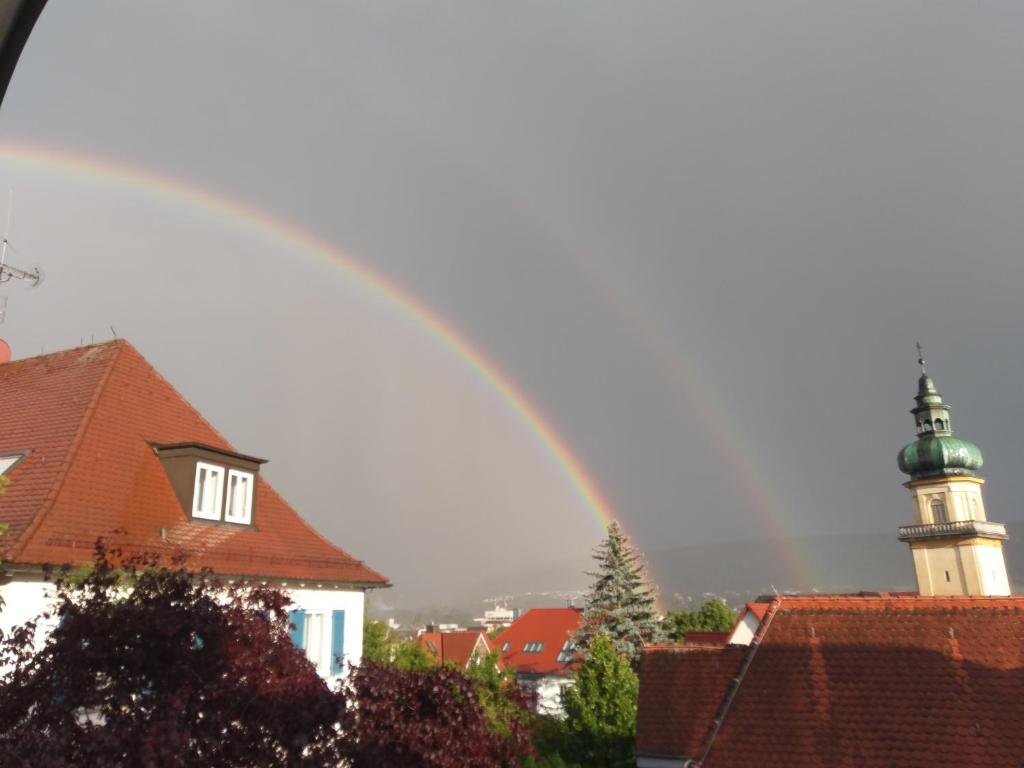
(550, 626)
(845, 680)
(88, 418)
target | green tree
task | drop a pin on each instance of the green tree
(601, 708)
(713, 616)
(499, 694)
(619, 604)
(376, 642)
(408, 656)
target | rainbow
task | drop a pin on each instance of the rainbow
(178, 191)
(695, 392)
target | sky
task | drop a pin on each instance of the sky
(699, 239)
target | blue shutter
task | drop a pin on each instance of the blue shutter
(337, 641)
(298, 629)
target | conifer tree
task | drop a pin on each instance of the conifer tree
(619, 604)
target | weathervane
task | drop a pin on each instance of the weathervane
(920, 356)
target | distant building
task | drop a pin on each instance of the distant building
(498, 617)
(539, 646)
(461, 648)
(95, 443)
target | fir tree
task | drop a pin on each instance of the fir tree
(619, 604)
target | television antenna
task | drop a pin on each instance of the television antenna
(10, 272)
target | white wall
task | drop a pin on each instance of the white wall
(325, 602)
(24, 600)
(548, 691)
(27, 596)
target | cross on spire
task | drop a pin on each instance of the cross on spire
(920, 356)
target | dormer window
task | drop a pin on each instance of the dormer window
(213, 484)
(209, 489)
(239, 499)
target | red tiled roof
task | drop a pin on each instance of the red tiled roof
(89, 418)
(453, 647)
(707, 638)
(672, 724)
(853, 681)
(550, 626)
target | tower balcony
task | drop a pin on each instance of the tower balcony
(953, 529)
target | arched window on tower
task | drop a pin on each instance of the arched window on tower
(939, 511)
(939, 424)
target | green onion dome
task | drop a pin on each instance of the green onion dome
(937, 452)
(940, 456)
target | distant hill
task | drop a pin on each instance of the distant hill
(735, 570)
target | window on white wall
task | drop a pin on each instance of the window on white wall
(206, 499)
(939, 511)
(315, 639)
(238, 507)
(321, 634)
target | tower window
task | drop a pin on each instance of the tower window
(939, 424)
(927, 426)
(939, 511)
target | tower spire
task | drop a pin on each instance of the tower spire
(956, 549)
(920, 357)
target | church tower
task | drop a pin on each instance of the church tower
(956, 550)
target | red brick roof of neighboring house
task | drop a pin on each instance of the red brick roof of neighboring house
(454, 647)
(551, 627)
(891, 680)
(88, 419)
(707, 638)
(669, 721)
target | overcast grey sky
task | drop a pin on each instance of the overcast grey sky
(701, 238)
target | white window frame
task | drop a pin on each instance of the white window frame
(246, 517)
(217, 472)
(318, 648)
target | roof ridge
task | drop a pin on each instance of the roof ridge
(51, 498)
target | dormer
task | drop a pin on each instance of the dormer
(213, 485)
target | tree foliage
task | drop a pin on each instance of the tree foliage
(424, 718)
(601, 708)
(500, 696)
(713, 616)
(174, 671)
(376, 641)
(619, 604)
(409, 656)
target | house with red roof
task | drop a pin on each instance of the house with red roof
(862, 680)
(461, 648)
(538, 645)
(95, 443)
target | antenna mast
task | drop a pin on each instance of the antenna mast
(10, 272)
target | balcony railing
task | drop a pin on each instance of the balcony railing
(955, 528)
